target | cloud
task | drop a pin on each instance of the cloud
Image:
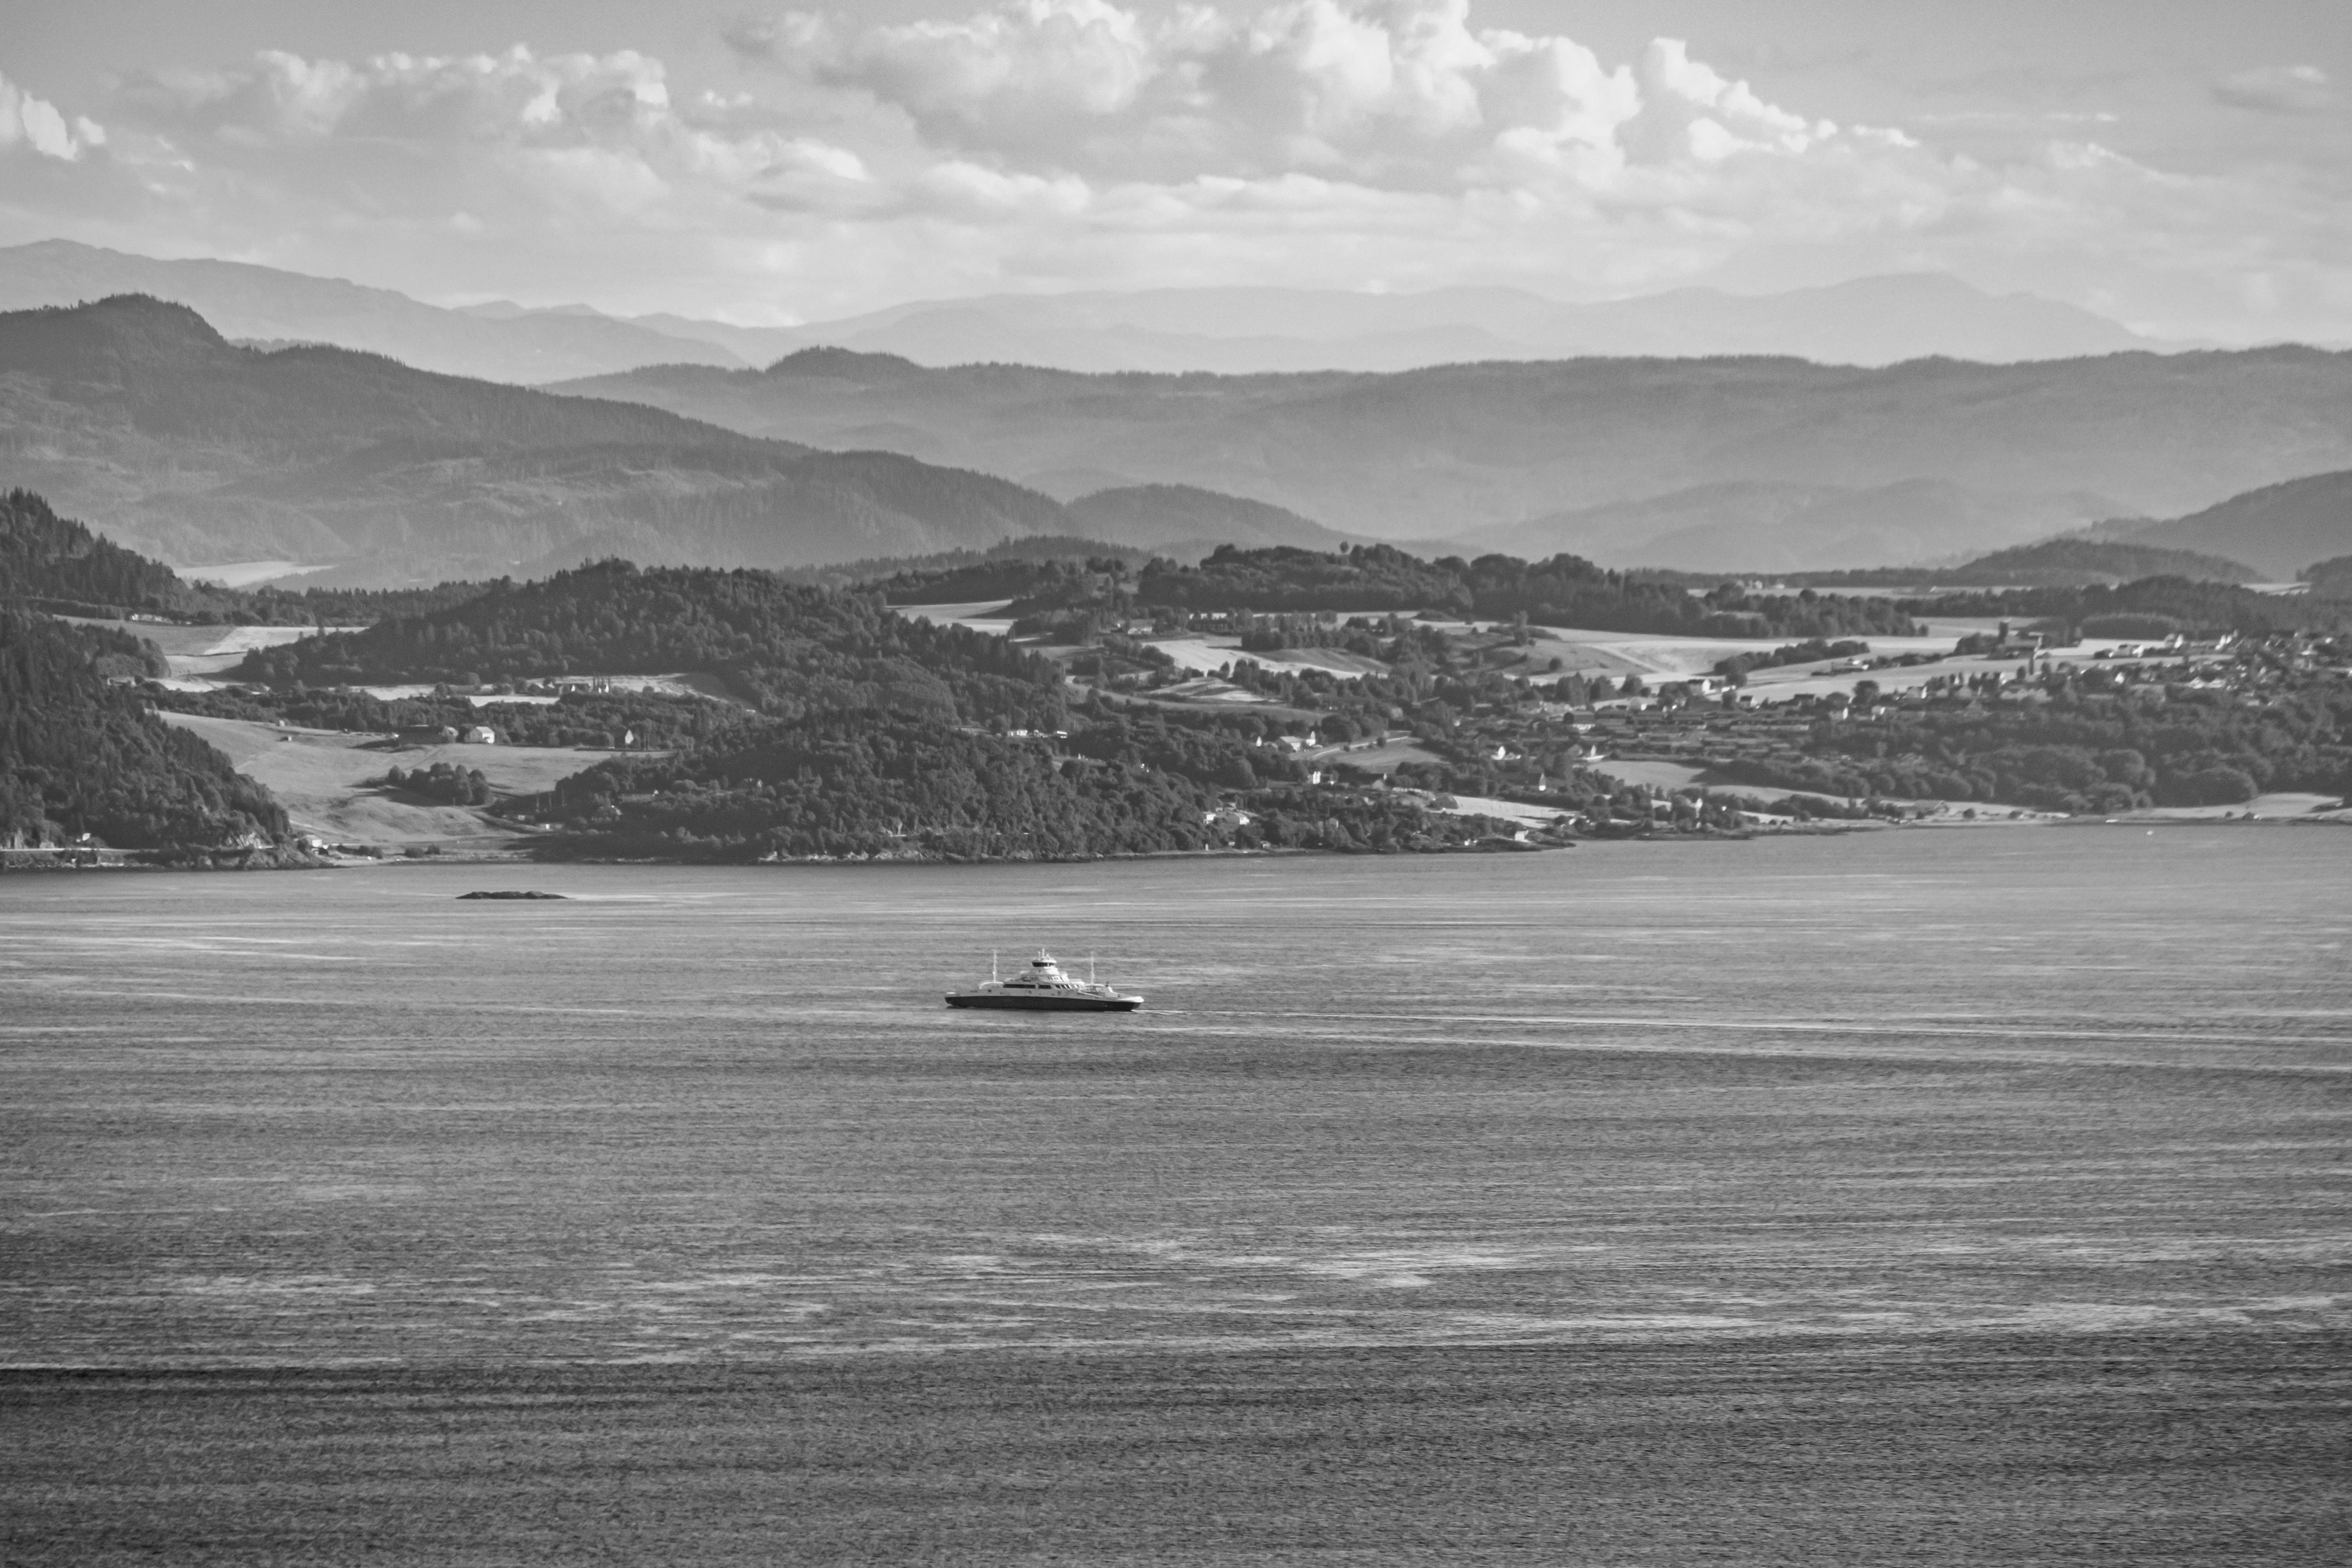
(35, 125)
(2278, 90)
(1059, 143)
(540, 141)
(1403, 93)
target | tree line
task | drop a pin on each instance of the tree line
(1565, 590)
(2149, 607)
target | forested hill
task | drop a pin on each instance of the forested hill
(877, 735)
(45, 556)
(2331, 578)
(59, 565)
(81, 756)
(788, 648)
(144, 422)
(893, 786)
(1563, 590)
(2279, 529)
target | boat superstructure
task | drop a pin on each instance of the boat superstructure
(1041, 987)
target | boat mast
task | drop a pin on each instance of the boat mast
(991, 965)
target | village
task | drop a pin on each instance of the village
(1570, 733)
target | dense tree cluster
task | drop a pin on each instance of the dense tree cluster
(889, 785)
(78, 755)
(47, 557)
(1565, 590)
(1047, 572)
(789, 650)
(270, 605)
(1131, 781)
(1284, 577)
(444, 783)
(2084, 749)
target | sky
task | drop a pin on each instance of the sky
(2183, 166)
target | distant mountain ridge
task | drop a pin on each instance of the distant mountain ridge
(1780, 526)
(140, 418)
(137, 417)
(1261, 331)
(1184, 519)
(277, 307)
(1818, 465)
(1223, 331)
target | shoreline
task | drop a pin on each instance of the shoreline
(58, 861)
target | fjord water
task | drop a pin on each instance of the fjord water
(1961, 1197)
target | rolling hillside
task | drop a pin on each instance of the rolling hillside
(1770, 525)
(2278, 530)
(1185, 520)
(2076, 561)
(2007, 452)
(141, 419)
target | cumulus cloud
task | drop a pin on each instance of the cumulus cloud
(1396, 93)
(35, 125)
(2278, 90)
(1044, 143)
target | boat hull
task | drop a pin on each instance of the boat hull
(1046, 1003)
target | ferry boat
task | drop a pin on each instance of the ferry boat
(1044, 988)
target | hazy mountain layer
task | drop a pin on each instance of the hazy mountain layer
(1183, 521)
(1227, 331)
(1776, 526)
(141, 419)
(2279, 529)
(2079, 561)
(2021, 450)
(276, 307)
(1240, 331)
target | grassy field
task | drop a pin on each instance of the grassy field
(321, 777)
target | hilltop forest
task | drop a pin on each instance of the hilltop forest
(60, 565)
(79, 755)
